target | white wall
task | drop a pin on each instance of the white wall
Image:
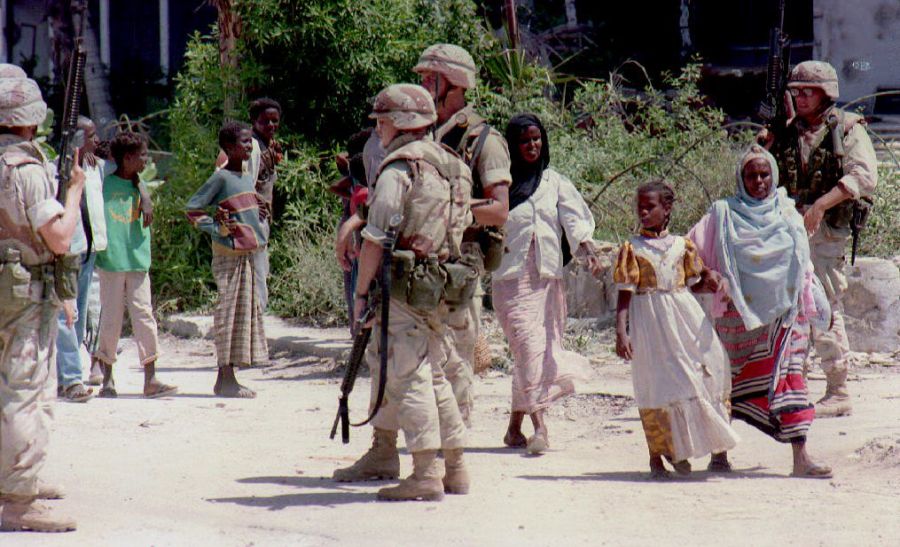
(861, 38)
(31, 12)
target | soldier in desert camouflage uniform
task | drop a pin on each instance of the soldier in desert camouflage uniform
(827, 163)
(34, 229)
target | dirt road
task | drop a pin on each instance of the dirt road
(197, 470)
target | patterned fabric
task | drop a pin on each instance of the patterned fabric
(635, 270)
(239, 329)
(235, 194)
(21, 104)
(768, 390)
(532, 312)
(658, 431)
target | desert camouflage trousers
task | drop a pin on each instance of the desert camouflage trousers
(828, 248)
(418, 398)
(27, 392)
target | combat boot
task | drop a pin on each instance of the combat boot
(381, 461)
(836, 401)
(424, 484)
(26, 515)
(456, 477)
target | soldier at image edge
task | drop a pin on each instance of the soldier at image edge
(35, 229)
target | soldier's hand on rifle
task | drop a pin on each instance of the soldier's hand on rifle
(76, 179)
(360, 303)
(765, 138)
(812, 218)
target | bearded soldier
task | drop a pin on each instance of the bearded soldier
(34, 229)
(428, 188)
(827, 164)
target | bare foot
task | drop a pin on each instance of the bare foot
(514, 439)
(235, 391)
(682, 467)
(658, 471)
(812, 470)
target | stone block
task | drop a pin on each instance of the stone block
(872, 305)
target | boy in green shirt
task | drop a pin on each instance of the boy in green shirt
(124, 269)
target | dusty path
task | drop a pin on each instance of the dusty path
(196, 470)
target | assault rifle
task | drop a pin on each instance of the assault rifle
(361, 340)
(772, 109)
(69, 137)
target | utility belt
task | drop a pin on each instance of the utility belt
(423, 283)
(59, 279)
(491, 240)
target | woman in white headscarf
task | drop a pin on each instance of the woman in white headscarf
(757, 241)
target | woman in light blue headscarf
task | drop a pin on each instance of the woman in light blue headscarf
(757, 241)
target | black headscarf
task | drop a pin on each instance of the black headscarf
(526, 177)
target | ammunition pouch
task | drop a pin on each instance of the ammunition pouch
(417, 283)
(424, 284)
(15, 287)
(492, 240)
(65, 276)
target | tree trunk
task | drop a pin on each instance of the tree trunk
(96, 83)
(229, 25)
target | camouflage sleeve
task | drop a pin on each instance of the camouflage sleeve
(493, 165)
(386, 200)
(860, 163)
(38, 193)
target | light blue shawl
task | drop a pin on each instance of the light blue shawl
(762, 248)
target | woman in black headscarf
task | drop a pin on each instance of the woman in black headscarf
(528, 291)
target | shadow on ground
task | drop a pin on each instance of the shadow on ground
(337, 494)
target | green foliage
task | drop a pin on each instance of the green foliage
(882, 234)
(325, 59)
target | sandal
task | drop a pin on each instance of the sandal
(108, 393)
(537, 444)
(76, 393)
(682, 467)
(162, 390)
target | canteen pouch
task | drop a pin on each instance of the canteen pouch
(462, 280)
(65, 276)
(15, 283)
(418, 283)
(493, 242)
(426, 285)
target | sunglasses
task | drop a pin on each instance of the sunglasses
(805, 91)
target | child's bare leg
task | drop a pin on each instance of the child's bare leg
(658, 471)
(514, 437)
(152, 386)
(228, 386)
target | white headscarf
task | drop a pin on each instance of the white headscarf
(762, 247)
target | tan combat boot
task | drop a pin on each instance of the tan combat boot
(836, 401)
(26, 515)
(381, 461)
(456, 478)
(424, 484)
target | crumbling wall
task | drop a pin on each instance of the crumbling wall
(862, 40)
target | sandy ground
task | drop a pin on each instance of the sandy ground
(197, 470)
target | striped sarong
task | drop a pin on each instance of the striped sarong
(240, 334)
(767, 386)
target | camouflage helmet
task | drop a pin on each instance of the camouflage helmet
(11, 71)
(817, 74)
(451, 62)
(409, 106)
